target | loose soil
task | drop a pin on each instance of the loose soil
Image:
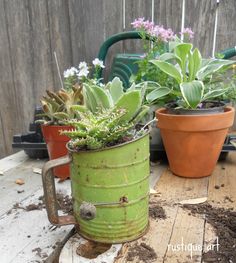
(224, 223)
(157, 212)
(142, 252)
(65, 203)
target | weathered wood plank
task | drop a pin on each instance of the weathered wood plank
(157, 169)
(60, 37)
(200, 16)
(9, 116)
(187, 230)
(112, 9)
(87, 29)
(41, 52)
(222, 187)
(226, 31)
(175, 189)
(168, 14)
(33, 230)
(12, 161)
(11, 192)
(20, 47)
(32, 30)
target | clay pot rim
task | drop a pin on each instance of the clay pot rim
(195, 123)
(227, 110)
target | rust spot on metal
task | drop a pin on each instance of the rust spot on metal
(124, 199)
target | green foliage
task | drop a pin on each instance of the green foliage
(57, 106)
(100, 124)
(112, 95)
(105, 128)
(193, 74)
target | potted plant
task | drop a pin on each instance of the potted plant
(194, 126)
(57, 107)
(109, 157)
(156, 40)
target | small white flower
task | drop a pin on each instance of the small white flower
(97, 62)
(70, 72)
(83, 65)
(83, 72)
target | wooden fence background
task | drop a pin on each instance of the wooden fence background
(31, 30)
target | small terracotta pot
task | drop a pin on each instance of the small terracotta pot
(193, 142)
(56, 145)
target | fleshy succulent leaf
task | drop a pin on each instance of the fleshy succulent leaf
(131, 102)
(116, 89)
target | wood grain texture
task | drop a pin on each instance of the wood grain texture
(226, 32)
(41, 52)
(200, 16)
(10, 99)
(60, 38)
(187, 189)
(32, 30)
(187, 230)
(12, 161)
(168, 14)
(222, 187)
(87, 29)
(112, 15)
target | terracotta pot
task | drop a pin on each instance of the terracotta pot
(193, 142)
(56, 145)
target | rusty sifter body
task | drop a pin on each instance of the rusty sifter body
(110, 190)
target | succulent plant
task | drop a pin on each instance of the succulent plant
(106, 124)
(57, 106)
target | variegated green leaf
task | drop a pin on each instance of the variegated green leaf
(213, 66)
(192, 92)
(182, 51)
(169, 69)
(157, 93)
(194, 63)
(214, 93)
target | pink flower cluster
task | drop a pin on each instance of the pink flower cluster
(153, 30)
(187, 32)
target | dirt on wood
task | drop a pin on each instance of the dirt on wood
(142, 252)
(224, 223)
(38, 252)
(65, 203)
(157, 212)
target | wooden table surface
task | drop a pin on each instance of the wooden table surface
(27, 236)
